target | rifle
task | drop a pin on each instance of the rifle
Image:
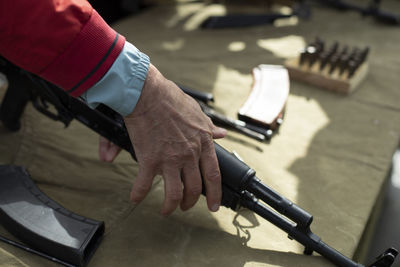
(372, 9)
(300, 10)
(240, 185)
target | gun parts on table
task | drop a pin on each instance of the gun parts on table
(240, 185)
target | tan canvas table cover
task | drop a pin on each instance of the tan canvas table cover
(331, 156)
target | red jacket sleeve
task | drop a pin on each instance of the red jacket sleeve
(64, 41)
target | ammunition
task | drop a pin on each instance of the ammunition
(347, 60)
(353, 62)
(319, 44)
(303, 57)
(335, 59)
(318, 48)
(364, 54)
(352, 69)
(311, 53)
(312, 56)
(326, 55)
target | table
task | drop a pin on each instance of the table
(331, 156)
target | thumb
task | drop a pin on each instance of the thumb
(218, 132)
(107, 150)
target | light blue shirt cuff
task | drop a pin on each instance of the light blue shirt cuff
(121, 86)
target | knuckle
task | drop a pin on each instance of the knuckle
(214, 177)
(149, 162)
(177, 158)
(191, 152)
(140, 190)
(206, 140)
(136, 198)
(174, 195)
(169, 159)
(173, 161)
(209, 121)
(195, 190)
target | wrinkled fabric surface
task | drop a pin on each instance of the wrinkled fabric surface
(331, 156)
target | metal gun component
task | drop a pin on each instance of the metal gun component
(198, 95)
(300, 10)
(253, 131)
(372, 9)
(268, 133)
(237, 125)
(281, 212)
(386, 258)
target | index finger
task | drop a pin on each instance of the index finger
(211, 175)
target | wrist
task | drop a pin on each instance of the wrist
(122, 85)
(151, 95)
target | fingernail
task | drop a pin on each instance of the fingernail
(134, 202)
(223, 131)
(164, 214)
(215, 208)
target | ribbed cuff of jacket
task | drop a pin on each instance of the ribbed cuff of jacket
(121, 86)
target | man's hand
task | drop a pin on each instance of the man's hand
(173, 137)
(107, 150)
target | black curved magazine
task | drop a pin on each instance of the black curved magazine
(43, 224)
